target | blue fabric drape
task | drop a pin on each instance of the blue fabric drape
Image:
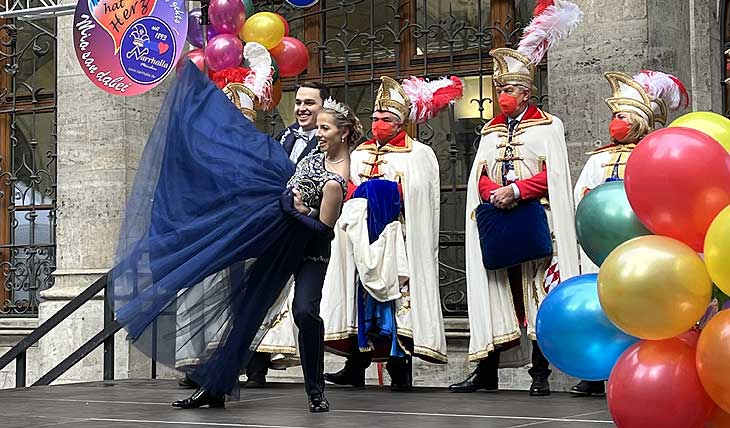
(377, 320)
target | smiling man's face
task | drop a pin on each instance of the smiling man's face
(307, 105)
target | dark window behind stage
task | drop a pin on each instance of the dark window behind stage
(354, 42)
(27, 163)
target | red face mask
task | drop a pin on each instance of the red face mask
(507, 103)
(384, 131)
(619, 130)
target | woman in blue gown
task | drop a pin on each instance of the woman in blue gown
(216, 199)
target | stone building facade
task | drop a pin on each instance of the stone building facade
(97, 139)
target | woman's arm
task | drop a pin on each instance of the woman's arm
(331, 206)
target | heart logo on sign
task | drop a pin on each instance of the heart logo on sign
(115, 16)
(162, 47)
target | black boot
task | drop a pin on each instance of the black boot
(255, 379)
(352, 374)
(474, 382)
(318, 403)
(485, 376)
(540, 386)
(401, 376)
(200, 398)
(540, 371)
(587, 388)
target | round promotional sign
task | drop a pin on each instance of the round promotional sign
(302, 3)
(127, 47)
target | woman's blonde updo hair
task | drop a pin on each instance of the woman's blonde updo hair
(344, 117)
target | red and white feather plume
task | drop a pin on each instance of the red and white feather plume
(229, 75)
(258, 77)
(428, 98)
(665, 87)
(553, 21)
(259, 80)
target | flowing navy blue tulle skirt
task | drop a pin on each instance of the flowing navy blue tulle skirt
(205, 250)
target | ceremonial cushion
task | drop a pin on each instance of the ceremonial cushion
(513, 236)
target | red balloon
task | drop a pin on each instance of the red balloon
(677, 181)
(286, 25)
(292, 56)
(197, 56)
(655, 384)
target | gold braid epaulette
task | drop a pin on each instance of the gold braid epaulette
(628, 148)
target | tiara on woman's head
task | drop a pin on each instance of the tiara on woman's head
(331, 104)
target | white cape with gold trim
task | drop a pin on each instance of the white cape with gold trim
(418, 311)
(492, 318)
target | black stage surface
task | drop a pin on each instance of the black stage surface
(146, 404)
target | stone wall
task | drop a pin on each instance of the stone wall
(628, 36)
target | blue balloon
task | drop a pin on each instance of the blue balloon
(302, 3)
(574, 333)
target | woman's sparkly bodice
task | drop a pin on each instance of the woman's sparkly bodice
(310, 178)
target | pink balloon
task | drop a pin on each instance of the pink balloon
(292, 56)
(223, 51)
(227, 16)
(677, 181)
(655, 384)
(197, 56)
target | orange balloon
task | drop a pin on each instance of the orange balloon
(276, 94)
(718, 419)
(713, 359)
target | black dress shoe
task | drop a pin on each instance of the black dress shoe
(347, 376)
(186, 382)
(474, 383)
(200, 398)
(401, 387)
(540, 387)
(587, 388)
(318, 403)
(255, 380)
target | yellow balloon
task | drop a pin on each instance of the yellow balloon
(265, 28)
(654, 287)
(717, 250)
(707, 122)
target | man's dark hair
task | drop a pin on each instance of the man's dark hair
(324, 90)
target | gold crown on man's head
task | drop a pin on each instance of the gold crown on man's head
(512, 68)
(392, 98)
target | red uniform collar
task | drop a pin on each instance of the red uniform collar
(532, 113)
(401, 142)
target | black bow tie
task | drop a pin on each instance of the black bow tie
(301, 134)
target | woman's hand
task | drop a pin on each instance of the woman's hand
(299, 204)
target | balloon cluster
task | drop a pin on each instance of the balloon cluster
(646, 322)
(234, 23)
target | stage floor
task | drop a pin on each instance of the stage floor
(146, 404)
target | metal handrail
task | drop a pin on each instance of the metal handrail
(106, 336)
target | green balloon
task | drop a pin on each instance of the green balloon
(604, 220)
(248, 5)
(275, 76)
